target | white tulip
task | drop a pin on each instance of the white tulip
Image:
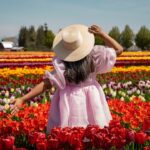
(7, 93)
(12, 90)
(6, 107)
(147, 85)
(122, 98)
(123, 94)
(35, 104)
(138, 91)
(106, 92)
(6, 101)
(114, 93)
(132, 97)
(142, 98)
(104, 86)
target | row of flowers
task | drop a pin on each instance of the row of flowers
(136, 63)
(127, 90)
(43, 59)
(15, 77)
(131, 54)
(24, 55)
(30, 64)
(26, 70)
(40, 64)
(21, 71)
(49, 54)
(92, 137)
(123, 91)
(21, 60)
(129, 128)
(134, 115)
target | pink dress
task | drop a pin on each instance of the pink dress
(84, 103)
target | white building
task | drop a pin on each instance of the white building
(134, 47)
(9, 46)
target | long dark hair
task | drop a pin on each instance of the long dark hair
(78, 71)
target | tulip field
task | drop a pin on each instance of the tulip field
(127, 90)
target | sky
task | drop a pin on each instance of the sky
(60, 13)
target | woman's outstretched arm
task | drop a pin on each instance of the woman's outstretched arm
(37, 90)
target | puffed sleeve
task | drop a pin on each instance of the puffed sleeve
(104, 59)
(56, 77)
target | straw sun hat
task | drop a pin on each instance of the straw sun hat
(73, 43)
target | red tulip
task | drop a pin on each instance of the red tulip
(36, 136)
(140, 137)
(146, 125)
(90, 131)
(7, 143)
(53, 144)
(131, 135)
(146, 148)
(41, 136)
(41, 146)
(75, 140)
(98, 140)
(64, 136)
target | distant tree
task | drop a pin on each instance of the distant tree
(115, 33)
(142, 38)
(32, 37)
(99, 41)
(45, 28)
(40, 38)
(23, 37)
(49, 38)
(126, 37)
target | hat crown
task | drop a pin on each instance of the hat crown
(72, 39)
(73, 43)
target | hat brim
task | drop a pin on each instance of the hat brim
(79, 53)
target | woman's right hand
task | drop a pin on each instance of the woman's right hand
(17, 105)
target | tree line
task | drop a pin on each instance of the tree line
(127, 37)
(42, 38)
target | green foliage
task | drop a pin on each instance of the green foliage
(115, 33)
(30, 39)
(40, 39)
(99, 41)
(126, 37)
(143, 38)
(23, 37)
(49, 38)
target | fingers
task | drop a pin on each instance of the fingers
(12, 101)
(94, 29)
(14, 110)
(91, 29)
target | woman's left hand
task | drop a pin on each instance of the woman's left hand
(96, 30)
